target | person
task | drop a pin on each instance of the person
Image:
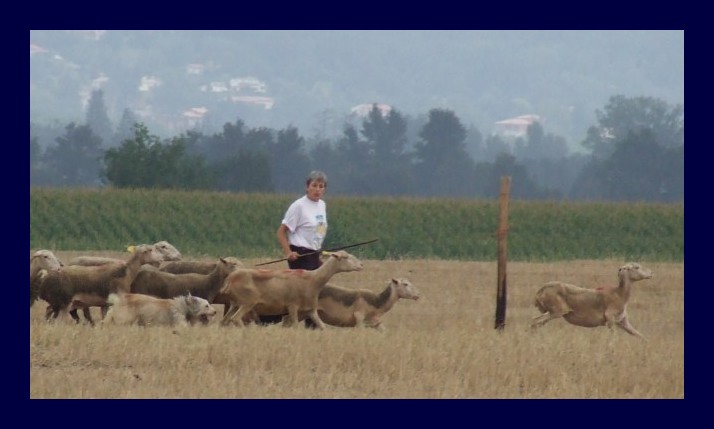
(303, 230)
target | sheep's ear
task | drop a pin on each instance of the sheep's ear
(223, 260)
(131, 249)
(395, 281)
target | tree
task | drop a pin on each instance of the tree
(97, 118)
(259, 139)
(145, 162)
(76, 159)
(522, 185)
(539, 145)
(493, 147)
(354, 161)
(226, 144)
(246, 171)
(288, 163)
(474, 142)
(623, 115)
(36, 168)
(326, 157)
(125, 129)
(389, 167)
(443, 165)
(638, 170)
(638, 152)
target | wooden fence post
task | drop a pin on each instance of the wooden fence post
(502, 255)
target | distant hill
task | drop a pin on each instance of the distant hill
(174, 80)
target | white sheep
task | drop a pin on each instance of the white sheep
(145, 310)
(167, 250)
(344, 307)
(590, 307)
(41, 260)
(78, 286)
(276, 292)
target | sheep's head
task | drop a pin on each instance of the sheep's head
(147, 253)
(169, 252)
(229, 264)
(347, 261)
(46, 260)
(634, 272)
(405, 289)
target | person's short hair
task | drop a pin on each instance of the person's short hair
(316, 176)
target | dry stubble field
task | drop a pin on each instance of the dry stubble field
(442, 346)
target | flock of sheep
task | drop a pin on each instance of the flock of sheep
(156, 287)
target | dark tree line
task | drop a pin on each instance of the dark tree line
(637, 153)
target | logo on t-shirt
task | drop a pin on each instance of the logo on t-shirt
(320, 230)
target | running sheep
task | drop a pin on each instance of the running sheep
(590, 307)
(276, 292)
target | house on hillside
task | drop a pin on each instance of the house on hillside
(515, 127)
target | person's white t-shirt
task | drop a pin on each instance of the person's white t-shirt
(306, 221)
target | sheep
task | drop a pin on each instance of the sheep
(590, 307)
(78, 286)
(339, 306)
(169, 252)
(198, 267)
(151, 281)
(145, 310)
(201, 267)
(41, 263)
(275, 292)
(41, 260)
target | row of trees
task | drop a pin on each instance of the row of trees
(637, 153)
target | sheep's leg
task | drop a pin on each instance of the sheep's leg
(376, 323)
(226, 309)
(50, 313)
(88, 315)
(293, 313)
(359, 319)
(228, 316)
(60, 314)
(625, 325)
(543, 319)
(75, 316)
(109, 318)
(612, 319)
(242, 311)
(104, 311)
(286, 320)
(315, 318)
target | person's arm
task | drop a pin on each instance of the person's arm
(284, 244)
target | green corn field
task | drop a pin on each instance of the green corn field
(204, 223)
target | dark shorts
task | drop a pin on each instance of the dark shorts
(309, 262)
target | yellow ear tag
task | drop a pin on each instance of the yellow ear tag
(131, 249)
(326, 253)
